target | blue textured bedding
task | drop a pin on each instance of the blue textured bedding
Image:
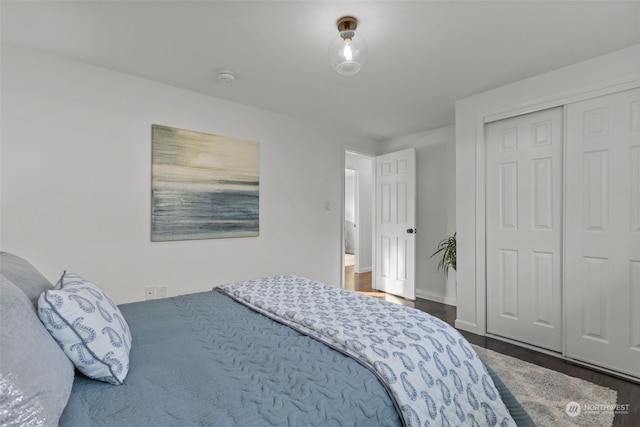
(203, 359)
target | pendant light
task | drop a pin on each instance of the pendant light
(348, 51)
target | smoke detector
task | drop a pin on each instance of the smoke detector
(226, 76)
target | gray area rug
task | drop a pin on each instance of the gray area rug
(545, 394)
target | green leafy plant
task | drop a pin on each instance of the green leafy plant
(447, 250)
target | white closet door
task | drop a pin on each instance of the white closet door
(524, 233)
(602, 250)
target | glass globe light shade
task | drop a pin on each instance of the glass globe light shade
(348, 52)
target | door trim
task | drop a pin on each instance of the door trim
(359, 152)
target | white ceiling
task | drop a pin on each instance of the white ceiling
(423, 54)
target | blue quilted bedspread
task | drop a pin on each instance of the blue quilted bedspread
(431, 371)
(205, 360)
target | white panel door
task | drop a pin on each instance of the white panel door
(602, 250)
(395, 223)
(524, 228)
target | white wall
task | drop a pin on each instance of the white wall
(435, 159)
(617, 69)
(364, 167)
(76, 179)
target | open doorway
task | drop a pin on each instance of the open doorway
(358, 221)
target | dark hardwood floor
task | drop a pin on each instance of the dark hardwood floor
(628, 392)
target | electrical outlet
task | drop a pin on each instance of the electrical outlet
(150, 292)
(162, 291)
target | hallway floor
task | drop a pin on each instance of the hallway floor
(362, 282)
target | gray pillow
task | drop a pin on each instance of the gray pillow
(24, 276)
(35, 374)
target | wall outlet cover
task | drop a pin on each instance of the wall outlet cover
(162, 292)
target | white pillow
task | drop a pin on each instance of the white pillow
(88, 326)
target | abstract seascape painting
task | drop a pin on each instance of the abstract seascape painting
(203, 186)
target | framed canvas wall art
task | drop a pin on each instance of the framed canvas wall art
(203, 186)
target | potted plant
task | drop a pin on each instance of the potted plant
(447, 251)
(447, 248)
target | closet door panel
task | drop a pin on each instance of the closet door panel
(524, 186)
(602, 231)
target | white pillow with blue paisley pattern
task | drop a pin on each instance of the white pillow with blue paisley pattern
(88, 326)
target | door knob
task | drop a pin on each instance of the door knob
(412, 230)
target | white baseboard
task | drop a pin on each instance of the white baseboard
(364, 270)
(435, 297)
(467, 326)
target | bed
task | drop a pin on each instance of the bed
(276, 351)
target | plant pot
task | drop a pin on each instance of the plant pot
(451, 286)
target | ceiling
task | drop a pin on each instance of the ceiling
(423, 55)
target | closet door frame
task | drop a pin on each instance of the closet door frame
(559, 100)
